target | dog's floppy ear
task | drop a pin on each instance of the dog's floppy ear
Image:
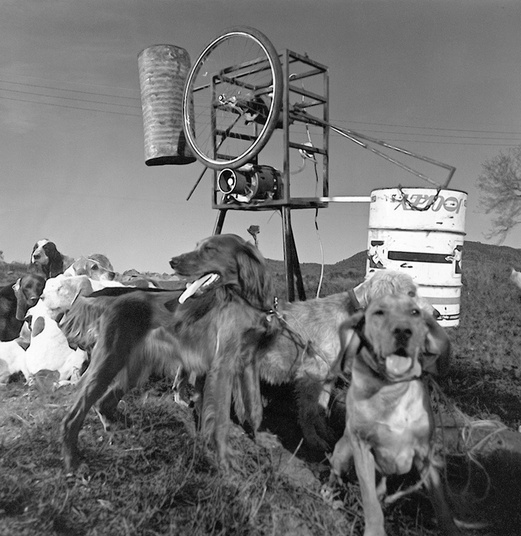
(253, 277)
(21, 302)
(55, 259)
(349, 339)
(436, 356)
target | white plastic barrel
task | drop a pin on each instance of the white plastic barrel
(421, 231)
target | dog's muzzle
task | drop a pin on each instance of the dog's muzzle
(197, 286)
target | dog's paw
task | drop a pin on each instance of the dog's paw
(267, 440)
(182, 400)
(315, 441)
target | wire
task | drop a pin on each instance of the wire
(486, 140)
(70, 90)
(70, 107)
(67, 98)
(394, 125)
(488, 137)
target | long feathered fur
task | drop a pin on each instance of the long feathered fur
(219, 333)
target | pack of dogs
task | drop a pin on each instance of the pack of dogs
(224, 328)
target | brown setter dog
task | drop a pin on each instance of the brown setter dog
(217, 332)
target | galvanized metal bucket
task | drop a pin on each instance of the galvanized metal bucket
(421, 231)
(162, 74)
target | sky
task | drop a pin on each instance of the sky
(438, 77)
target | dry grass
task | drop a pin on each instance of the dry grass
(153, 476)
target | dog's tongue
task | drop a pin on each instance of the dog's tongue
(192, 288)
(397, 364)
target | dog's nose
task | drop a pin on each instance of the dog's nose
(402, 334)
(36, 256)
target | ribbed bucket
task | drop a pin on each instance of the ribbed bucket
(162, 73)
(421, 232)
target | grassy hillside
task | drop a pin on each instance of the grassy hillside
(154, 477)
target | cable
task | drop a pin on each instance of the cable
(71, 90)
(70, 107)
(486, 141)
(426, 128)
(68, 98)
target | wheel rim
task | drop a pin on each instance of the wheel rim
(232, 99)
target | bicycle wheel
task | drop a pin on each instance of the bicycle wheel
(232, 98)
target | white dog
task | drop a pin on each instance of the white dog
(12, 359)
(49, 350)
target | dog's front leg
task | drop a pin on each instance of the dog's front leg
(366, 472)
(248, 405)
(437, 495)
(341, 460)
(216, 404)
(197, 399)
(312, 418)
(180, 386)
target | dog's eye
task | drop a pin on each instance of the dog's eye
(379, 312)
(415, 312)
(412, 293)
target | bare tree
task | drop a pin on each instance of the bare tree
(500, 185)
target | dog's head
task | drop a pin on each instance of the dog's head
(28, 290)
(383, 282)
(96, 267)
(46, 256)
(234, 261)
(39, 254)
(59, 294)
(391, 337)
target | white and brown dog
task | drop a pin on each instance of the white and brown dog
(12, 359)
(46, 257)
(49, 349)
(389, 420)
(96, 267)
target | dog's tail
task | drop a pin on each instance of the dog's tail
(80, 323)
